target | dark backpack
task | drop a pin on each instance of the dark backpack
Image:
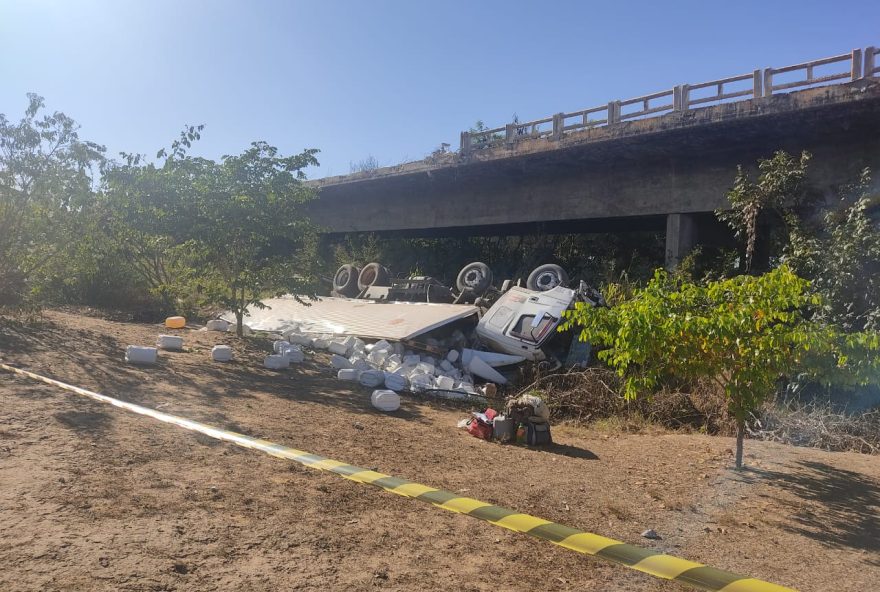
(538, 434)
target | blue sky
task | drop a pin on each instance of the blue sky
(390, 79)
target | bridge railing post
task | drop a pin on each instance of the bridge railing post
(510, 134)
(768, 82)
(681, 97)
(465, 145)
(856, 72)
(613, 112)
(558, 126)
(870, 57)
(757, 84)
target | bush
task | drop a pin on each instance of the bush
(745, 334)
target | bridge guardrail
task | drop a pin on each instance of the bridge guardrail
(860, 63)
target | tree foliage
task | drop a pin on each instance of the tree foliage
(231, 232)
(46, 177)
(843, 260)
(745, 333)
(776, 199)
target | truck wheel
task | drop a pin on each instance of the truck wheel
(373, 274)
(345, 282)
(546, 277)
(474, 277)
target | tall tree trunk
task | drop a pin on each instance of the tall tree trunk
(239, 323)
(740, 435)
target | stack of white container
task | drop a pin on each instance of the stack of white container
(392, 366)
(286, 353)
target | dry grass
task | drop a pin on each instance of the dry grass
(592, 396)
(818, 425)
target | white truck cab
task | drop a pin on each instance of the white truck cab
(522, 321)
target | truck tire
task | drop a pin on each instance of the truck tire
(546, 277)
(373, 274)
(474, 277)
(345, 282)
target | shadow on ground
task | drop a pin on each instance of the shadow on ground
(846, 508)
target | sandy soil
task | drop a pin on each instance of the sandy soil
(94, 498)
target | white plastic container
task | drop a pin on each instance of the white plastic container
(372, 378)
(420, 382)
(337, 347)
(340, 362)
(276, 362)
(294, 355)
(171, 342)
(300, 339)
(425, 368)
(395, 382)
(136, 354)
(320, 343)
(217, 325)
(221, 353)
(377, 357)
(280, 346)
(444, 382)
(381, 345)
(452, 356)
(385, 400)
(348, 374)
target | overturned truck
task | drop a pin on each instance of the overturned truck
(514, 319)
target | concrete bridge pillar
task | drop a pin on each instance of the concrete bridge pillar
(680, 238)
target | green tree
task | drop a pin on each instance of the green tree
(843, 260)
(252, 234)
(46, 177)
(776, 199)
(231, 232)
(744, 333)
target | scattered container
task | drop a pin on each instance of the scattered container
(385, 400)
(136, 354)
(280, 346)
(420, 382)
(294, 355)
(175, 322)
(340, 362)
(337, 347)
(217, 325)
(171, 342)
(221, 353)
(276, 362)
(395, 382)
(444, 383)
(503, 428)
(300, 339)
(372, 378)
(348, 374)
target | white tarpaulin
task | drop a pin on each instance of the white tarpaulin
(393, 321)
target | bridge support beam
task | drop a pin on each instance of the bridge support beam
(680, 238)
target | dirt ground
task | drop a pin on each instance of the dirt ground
(96, 498)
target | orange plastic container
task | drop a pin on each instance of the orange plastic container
(175, 322)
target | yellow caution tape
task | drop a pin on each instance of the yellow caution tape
(637, 558)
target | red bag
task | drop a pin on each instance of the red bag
(479, 429)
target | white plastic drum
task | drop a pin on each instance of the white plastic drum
(372, 378)
(385, 400)
(221, 353)
(135, 354)
(171, 342)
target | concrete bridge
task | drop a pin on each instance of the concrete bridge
(659, 161)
